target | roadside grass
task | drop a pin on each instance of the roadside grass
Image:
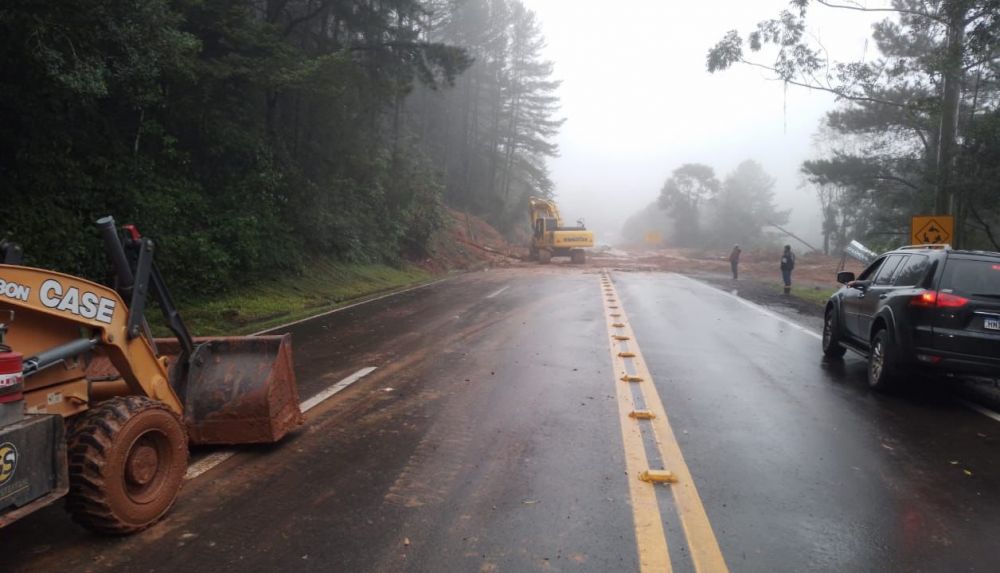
(813, 294)
(323, 285)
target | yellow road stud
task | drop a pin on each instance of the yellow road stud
(629, 378)
(642, 415)
(618, 325)
(620, 337)
(626, 354)
(658, 476)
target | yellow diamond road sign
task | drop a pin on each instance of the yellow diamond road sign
(932, 229)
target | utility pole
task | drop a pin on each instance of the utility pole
(794, 236)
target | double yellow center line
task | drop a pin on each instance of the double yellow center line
(634, 384)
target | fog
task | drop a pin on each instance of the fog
(638, 102)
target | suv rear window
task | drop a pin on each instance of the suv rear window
(969, 276)
(914, 270)
(869, 273)
(888, 269)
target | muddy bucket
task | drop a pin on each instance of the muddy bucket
(239, 390)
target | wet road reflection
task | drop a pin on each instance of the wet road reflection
(801, 465)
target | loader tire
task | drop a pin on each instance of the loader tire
(544, 256)
(127, 460)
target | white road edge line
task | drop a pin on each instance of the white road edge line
(970, 405)
(352, 305)
(982, 410)
(212, 460)
(498, 292)
(319, 398)
(755, 306)
(208, 462)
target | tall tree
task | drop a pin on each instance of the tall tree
(745, 206)
(683, 195)
(494, 131)
(910, 106)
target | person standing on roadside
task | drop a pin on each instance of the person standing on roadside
(787, 264)
(734, 261)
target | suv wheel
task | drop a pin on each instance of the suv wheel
(881, 362)
(832, 335)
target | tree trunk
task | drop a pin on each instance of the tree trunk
(950, 101)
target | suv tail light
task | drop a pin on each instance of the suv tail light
(933, 298)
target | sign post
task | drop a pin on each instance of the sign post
(932, 229)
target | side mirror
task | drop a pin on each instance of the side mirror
(844, 277)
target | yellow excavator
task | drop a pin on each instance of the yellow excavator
(549, 238)
(95, 409)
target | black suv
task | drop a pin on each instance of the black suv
(927, 307)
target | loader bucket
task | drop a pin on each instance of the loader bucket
(239, 390)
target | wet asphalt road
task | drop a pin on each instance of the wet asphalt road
(488, 439)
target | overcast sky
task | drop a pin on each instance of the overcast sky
(639, 102)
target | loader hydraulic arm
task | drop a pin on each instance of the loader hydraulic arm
(136, 286)
(136, 276)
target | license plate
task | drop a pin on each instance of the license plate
(991, 323)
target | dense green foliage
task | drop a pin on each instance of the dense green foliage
(247, 135)
(917, 129)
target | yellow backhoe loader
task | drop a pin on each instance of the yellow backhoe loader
(549, 238)
(94, 409)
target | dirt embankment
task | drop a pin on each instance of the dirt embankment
(468, 242)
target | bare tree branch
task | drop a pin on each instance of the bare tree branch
(897, 180)
(986, 227)
(985, 60)
(294, 22)
(832, 90)
(860, 8)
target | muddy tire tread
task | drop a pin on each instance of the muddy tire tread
(90, 440)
